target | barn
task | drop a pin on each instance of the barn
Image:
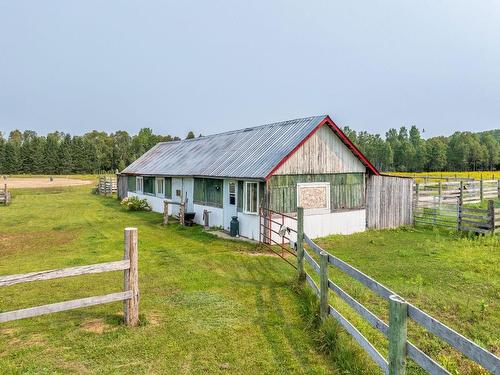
(306, 162)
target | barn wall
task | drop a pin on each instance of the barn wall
(324, 152)
(389, 202)
(347, 190)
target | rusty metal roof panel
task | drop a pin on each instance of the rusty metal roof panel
(246, 153)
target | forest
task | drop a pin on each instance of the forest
(400, 150)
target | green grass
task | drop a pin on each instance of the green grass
(206, 304)
(454, 278)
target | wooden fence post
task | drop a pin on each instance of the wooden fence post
(300, 244)
(165, 212)
(131, 278)
(398, 312)
(182, 210)
(498, 189)
(323, 285)
(440, 192)
(481, 191)
(491, 214)
(417, 188)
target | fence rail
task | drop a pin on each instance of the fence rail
(130, 293)
(399, 312)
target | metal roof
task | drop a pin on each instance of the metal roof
(245, 153)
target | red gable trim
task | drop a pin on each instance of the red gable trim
(328, 121)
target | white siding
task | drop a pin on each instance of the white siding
(324, 152)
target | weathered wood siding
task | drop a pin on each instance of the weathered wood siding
(122, 186)
(389, 202)
(347, 190)
(324, 152)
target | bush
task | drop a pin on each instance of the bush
(136, 204)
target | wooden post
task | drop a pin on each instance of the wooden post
(181, 213)
(498, 189)
(165, 212)
(131, 278)
(398, 312)
(491, 214)
(300, 244)
(417, 188)
(481, 194)
(440, 191)
(460, 206)
(323, 285)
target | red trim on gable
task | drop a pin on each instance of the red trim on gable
(328, 121)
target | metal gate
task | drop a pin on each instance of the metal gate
(278, 230)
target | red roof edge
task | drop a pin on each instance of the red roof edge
(328, 121)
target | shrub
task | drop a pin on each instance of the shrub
(136, 204)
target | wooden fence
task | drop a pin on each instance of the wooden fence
(106, 185)
(400, 311)
(5, 196)
(130, 294)
(436, 193)
(388, 202)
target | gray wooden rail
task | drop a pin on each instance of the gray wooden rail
(399, 312)
(130, 294)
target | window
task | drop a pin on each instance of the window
(314, 197)
(131, 182)
(149, 185)
(160, 186)
(232, 193)
(251, 197)
(168, 187)
(138, 185)
(208, 192)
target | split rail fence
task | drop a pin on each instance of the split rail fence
(130, 295)
(5, 196)
(400, 311)
(106, 185)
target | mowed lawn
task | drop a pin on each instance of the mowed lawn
(207, 305)
(214, 306)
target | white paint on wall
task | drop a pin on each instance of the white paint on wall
(215, 217)
(249, 225)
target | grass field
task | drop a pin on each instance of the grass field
(215, 306)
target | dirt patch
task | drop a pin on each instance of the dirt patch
(42, 182)
(38, 241)
(95, 326)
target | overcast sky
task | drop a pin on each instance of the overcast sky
(211, 66)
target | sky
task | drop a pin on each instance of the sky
(212, 66)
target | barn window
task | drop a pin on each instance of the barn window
(208, 192)
(160, 186)
(251, 193)
(314, 197)
(139, 185)
(232, 193)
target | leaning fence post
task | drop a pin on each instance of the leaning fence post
(491, 214)
(398, 312)
(323, 285)
(131, 278)
(300, 243)
(460, 205)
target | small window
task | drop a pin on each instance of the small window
(138, 185)
(160, 186)
(251, 197)
(232, 193)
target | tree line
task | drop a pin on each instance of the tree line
(407, 151)
(61, 153)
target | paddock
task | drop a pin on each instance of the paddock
(44, 182)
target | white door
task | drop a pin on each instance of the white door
(230, 201)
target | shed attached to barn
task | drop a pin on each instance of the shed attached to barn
(306, 162)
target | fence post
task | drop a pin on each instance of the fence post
(440, 191)
(498, 189)
(491, 214)
(398, 312)
(165, 212)
(131, 278)
(300, 244)
(323, 285)
(417, 188)
(481, 191)
(460, 208)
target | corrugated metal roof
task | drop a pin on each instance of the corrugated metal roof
(245, 153)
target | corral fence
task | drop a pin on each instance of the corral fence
(400, 311)
(130, 294)
(5, 197)
(446, 205)
(107, 185)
